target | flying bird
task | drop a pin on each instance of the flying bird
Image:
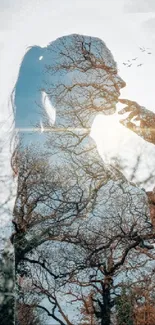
(135, 59)
(139, 65)
(142, 49)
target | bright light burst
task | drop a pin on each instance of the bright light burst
(108, 134)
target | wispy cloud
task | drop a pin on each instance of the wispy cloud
(139, 6)
(149, 24)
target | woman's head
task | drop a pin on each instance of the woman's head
(77, 73)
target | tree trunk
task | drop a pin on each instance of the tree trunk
(106, 305)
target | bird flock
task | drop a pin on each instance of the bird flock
(134, 61)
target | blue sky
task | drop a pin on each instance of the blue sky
(122, 24)
(125, 25)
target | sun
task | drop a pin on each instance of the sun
(108, 134)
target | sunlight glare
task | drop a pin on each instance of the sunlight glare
(108, 134)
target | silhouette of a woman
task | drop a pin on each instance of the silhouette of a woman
(77, 76)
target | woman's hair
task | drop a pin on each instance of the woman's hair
(25, 67)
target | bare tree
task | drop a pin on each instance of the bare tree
(7, 296)
(86, 261)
